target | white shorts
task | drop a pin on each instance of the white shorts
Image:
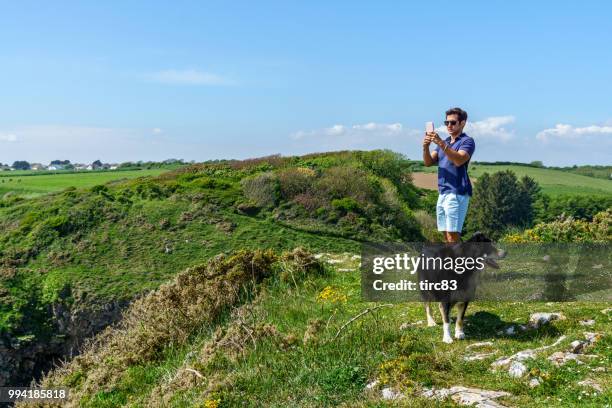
(451, 211)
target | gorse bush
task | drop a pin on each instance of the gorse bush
(568, 229)
(295, 181)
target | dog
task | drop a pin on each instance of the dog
(461, 282)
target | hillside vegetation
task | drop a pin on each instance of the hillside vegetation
(239, 284)
(83, 249)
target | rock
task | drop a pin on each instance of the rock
(406, 325)
(510, 331)
(606, 311)
(589, 322)
(390, 394)
(592, 384)
(480, 356)
(579, 346)
(592, 338)
(467, 396)
(538, 319)
(481, 344)
(534, 382)
(504, 362)
(372, 385)
(576, 346)
(517, 369)
(561, 357)
(599, 369)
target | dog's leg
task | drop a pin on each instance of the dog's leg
(462, 307)
(445, 308)
(430, 320)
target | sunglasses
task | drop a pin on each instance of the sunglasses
(450, 122)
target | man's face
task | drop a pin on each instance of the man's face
(454, 127)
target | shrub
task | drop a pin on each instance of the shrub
(345, 181)
(345, 205)
(429, 226)
(262, 189)
(309, 201)
(295, 181)
(548, 208)
(568, 229)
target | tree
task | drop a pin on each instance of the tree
(96, 165)
(536, 163)
(21, 165)
(500, 201)
(530, 193)
(60, 162)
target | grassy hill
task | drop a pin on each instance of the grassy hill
(554, 182)
(82, 249)
(219, 316)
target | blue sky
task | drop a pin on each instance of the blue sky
(146, 80)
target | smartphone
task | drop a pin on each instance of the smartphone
(429, 127)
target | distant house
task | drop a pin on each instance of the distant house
(56, 167)
(80, 166)
(113, 167)
(37, 166)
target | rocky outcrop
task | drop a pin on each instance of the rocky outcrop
(26, 358)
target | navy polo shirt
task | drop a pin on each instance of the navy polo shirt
(453, 179)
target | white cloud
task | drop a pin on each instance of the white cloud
(157, 131)
(492, 127)
(8, 137)
(189, 77)
(366, 130)
(335, 130)
(564, 131)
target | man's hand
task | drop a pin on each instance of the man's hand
(434, 137)
(426, 141)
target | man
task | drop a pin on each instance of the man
(452, 156)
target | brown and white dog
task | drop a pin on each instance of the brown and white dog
(463, 287)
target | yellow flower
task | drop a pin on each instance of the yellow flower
(329, 294)
(212, 403)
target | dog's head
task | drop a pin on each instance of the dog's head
(481, 245)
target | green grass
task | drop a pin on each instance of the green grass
(554, 182)
(331, 371)
(30, 184)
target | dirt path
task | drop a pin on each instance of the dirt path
(425, 180)
(429, 180)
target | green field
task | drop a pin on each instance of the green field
(553, 182)
(30, 184)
